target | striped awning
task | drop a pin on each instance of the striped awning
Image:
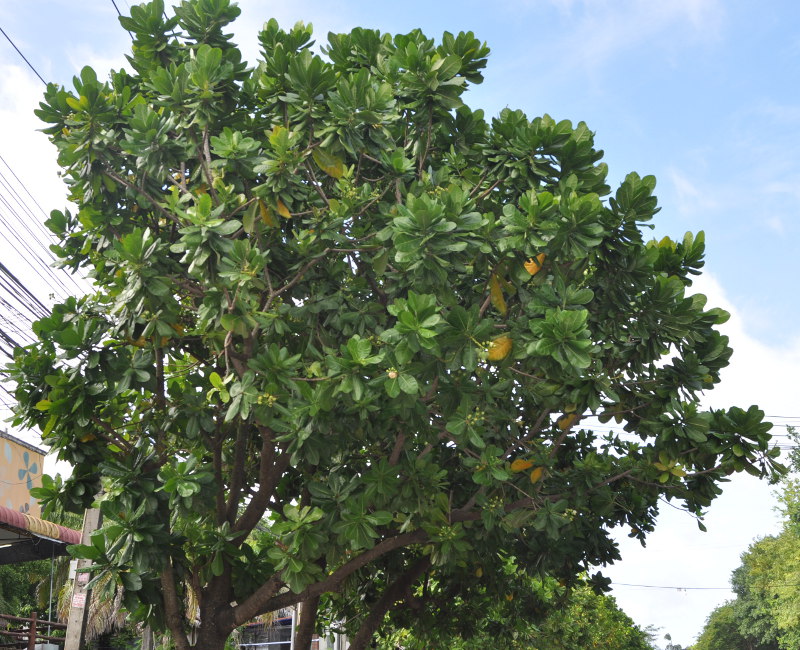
(24, 538)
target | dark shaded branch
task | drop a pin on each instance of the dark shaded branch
(316, 184)
(396, 591)
(237, 472)
(536, 428)
(399, 441)
(334, 580)
(305, 626)
(252, 606)
(158, 207)
(172, 606)
(111, 438)
(269, 473)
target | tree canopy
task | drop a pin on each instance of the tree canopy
(347, 333)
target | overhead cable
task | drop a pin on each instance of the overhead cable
(30, 65)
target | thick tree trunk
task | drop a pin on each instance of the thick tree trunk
(305, 624)
(207, 641)
(392, 594)
(216, 614)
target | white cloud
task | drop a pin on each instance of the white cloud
(604, 29)
(101, 62)
(690, 197)
(325, 17)
(28, 152)
(776, 225)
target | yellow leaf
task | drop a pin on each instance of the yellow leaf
(499, 348)
(536, 474)
(479, 572)
(566, 421)
(496, 295)
(534, 264)
(283, 210)
(266, 214)
(520, 465)
(327, 162)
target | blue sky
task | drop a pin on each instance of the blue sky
(703, 94)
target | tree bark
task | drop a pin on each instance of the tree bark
(305, 624)
(393, 593)
(263, 600)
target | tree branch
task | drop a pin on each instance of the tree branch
(335, 579)
(399, 441)
(237, 472)
(316, 184)
(390, 596)
(159, 208)
(305, 626)
(172, 606)
(205, 161)
(269, 473)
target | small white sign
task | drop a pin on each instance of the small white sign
(83, 578)
(79, 600)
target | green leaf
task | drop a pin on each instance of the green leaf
(408, 384)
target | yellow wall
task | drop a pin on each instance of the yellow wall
(20, 470)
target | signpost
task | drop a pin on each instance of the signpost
(81, 596)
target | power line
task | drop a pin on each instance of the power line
(627, 584)
(46, 238)
(30, 65)
(119, 13)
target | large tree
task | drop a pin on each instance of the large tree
(344, 326)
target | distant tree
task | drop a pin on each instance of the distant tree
(766, 612)
(532, 614)
(344, 327)
(588, 620)
(18, 587)
(752, 610)
(722, 631)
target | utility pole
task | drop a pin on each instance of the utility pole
(79, 606)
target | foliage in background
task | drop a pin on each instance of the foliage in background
(532, 615)
(765, 615)
(18, 587)
(345, 327)
(723, 631)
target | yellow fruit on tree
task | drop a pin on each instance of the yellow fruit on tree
(520, 465)
(499, 348)
(534, 264)
(536, 474)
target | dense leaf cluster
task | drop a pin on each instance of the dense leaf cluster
(336, 311)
